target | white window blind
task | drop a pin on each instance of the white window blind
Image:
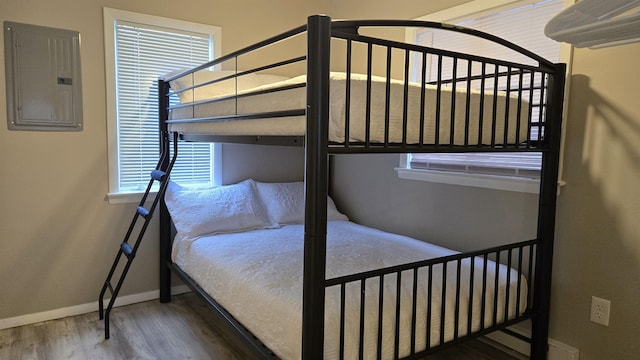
(521, 23)
(143, 53)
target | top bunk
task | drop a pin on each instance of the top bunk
(352, 88)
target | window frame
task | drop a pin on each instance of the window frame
(116, 195)
(471, 9)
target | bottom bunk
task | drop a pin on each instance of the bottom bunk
(387, 296)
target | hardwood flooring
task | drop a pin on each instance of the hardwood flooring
(181, 329)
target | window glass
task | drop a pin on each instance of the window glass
(144, 48)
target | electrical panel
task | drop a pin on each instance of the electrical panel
(43, 78)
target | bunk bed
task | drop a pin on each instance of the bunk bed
(390, 308)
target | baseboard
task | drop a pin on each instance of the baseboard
(557, 349)
(84, 308)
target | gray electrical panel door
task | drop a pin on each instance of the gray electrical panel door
(43, 78)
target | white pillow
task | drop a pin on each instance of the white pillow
(221, 209)
(285, 202)
(225, 87)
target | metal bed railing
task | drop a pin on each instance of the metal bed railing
(539, 86)
(428, 279)
(469, 73)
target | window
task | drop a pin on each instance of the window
(140, 48)
(521, 22)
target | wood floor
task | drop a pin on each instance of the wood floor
(181, 329)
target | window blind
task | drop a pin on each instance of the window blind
(143, 53)
(521, 23)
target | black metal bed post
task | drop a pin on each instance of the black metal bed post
(316, 186)
(547, 213)
(164, 219)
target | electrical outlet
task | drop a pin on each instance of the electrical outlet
(600, 309)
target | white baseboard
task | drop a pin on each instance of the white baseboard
(557, 349)
(84, 308)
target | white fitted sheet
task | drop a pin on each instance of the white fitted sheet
(296, 99)
(257, 277)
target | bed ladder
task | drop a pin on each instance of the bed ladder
(125, 249)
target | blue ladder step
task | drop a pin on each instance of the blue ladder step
(126, 249)
(158, 175)
(142, 211)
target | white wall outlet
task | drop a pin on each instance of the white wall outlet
(600, 309)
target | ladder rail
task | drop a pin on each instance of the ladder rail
(126, 238)
(125, 249)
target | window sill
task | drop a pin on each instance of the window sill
(504, 183)
(126, 198)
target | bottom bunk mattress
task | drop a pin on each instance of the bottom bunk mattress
(257, 277)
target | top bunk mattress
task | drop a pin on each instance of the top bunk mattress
(447, 115)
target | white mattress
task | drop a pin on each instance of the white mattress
(296, 99)
(257, 277)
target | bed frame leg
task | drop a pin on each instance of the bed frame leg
(546, 216)
(316, 186)
(165, 253)
(164, 217)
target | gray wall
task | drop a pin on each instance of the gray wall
(262, 163)
(462, 218)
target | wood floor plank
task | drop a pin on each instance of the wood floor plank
(181, 329)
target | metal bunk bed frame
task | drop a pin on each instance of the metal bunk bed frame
(320, 30)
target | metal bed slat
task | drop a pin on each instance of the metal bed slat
(482, 94)
(387, 99)
(367, 136)
(496, 79)
(405, 98)
(519, 111)
(342, 319)
(396, 339)
(519, 288)
(429, 305)
(452, 119)
(380, 315)
(468, 105)
(347, 104)
(414, 304)
(443, 302)
(506, 108)
(507, 293)
(438, 101)
(496, 293)
(483, 303)
(363, 292)
(457, 302)
(530, 274)
(541, 118)
(423, 89)
(530, 108)
(471, 282)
